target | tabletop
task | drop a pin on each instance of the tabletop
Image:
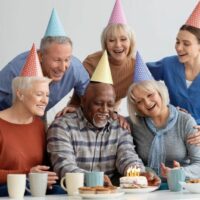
(156, 195)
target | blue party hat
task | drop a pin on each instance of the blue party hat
(55, 27)
(142, 72)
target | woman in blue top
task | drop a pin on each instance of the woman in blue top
(181, 72)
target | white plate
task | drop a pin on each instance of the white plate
(140, 190)
(102, 196)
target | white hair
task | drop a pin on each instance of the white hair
(148, 85)
(24, 83)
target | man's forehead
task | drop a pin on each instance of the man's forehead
(94, 87)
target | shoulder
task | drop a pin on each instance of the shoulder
(94, 57)
(172, 59)
(16, 63)
(185, 118)
(39, 123)
(65, 121)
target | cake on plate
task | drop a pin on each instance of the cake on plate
(133, 179)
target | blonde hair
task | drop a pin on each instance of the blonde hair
(112, 30)
(148, 85)
(24, 83)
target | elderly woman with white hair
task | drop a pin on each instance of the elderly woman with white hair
(22, 132)
(160, 130)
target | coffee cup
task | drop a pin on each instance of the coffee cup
(174, 177)
(16, 185)
(72, 182)
(93, 179)
(38, 184)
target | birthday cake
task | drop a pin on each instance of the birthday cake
(133, 179)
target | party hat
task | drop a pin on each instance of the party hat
(55, 27)
(142, 72)
(194, 19)
(117, 16)
(32, 66)
(102, 72)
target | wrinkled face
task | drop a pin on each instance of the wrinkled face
(187, 47)
(56, 60)
(118, 45)
(98, 103)
(35, 99)
(148, 103)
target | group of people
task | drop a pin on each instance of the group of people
(89, 134)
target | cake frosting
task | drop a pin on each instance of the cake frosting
(133, 182)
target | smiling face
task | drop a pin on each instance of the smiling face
(148, 102)
(36, 97)
(187, 47)
(56, 60)
(118, 45)
(97, 103)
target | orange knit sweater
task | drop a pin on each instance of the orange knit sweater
(21, 147)
(122, 74)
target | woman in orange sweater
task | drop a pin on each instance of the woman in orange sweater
(22, 132)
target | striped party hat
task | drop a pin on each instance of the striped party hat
(32, 66)
(55, 27)
(117, 16)
(142, 72)
(194, 19)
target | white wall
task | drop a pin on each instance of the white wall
(155, 23)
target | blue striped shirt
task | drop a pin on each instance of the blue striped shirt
(75, 145)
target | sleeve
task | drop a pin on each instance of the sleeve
(193, 169)
(126, 154)
(10, 71)
(156, 69)
(82, 77)
(61, 151)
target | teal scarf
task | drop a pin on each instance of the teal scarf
(157, 153)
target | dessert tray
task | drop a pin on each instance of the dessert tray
(102, 196)
(139, 190)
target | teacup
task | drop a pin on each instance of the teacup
(16, 185)
(72, 182)
(93, 179)
(174, 177)
(38, 184)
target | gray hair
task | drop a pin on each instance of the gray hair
(112, 30)
(148, 85)
(24, 83)
(46, 41)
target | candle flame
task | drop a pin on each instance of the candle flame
(133, 171)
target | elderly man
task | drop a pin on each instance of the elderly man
(57, 63)
(89, 140)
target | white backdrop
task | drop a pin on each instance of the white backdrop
(155, 23)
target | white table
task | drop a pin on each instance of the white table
(157, 195)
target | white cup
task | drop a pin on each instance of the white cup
(72, 181)
(38, 184)
(16, 185)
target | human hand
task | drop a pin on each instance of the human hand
(67, 109)
(195, 137)
(152, 178)
(165, 170)
(122, 121)
(52, 176)
(107, 181)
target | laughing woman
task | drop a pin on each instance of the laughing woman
(160, 130)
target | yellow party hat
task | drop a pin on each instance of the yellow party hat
(102, 72)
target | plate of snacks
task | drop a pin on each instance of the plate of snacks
(192, 185)
(100, 192)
